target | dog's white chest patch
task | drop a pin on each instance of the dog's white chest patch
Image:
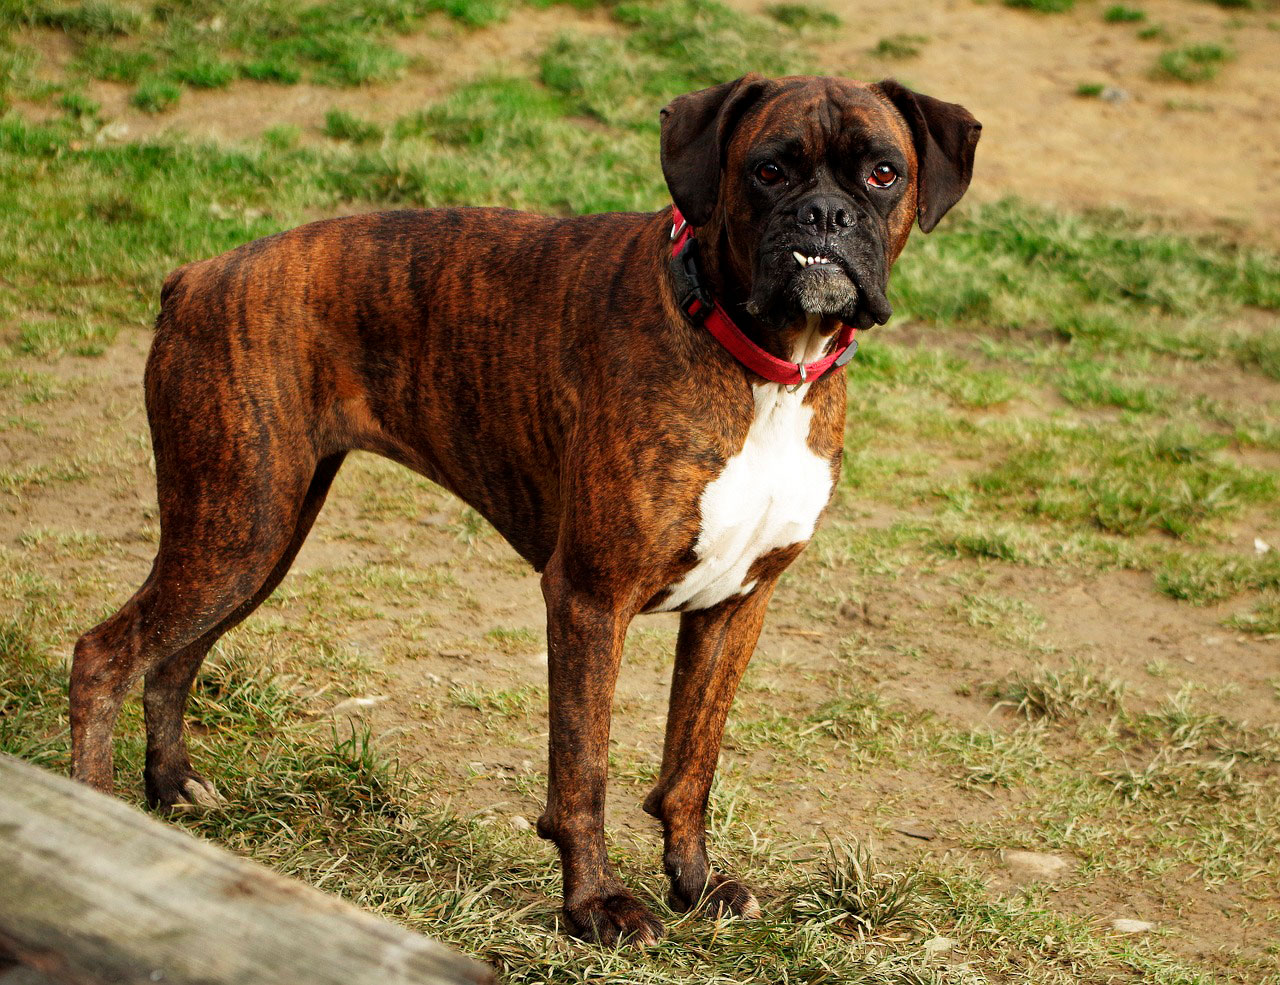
(768, 496)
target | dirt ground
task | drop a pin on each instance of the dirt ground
(1206, 155)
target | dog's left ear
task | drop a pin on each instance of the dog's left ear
(695, 133)
(946, 135)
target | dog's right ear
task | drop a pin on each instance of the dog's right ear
(695, 133)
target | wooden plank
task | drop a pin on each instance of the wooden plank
(94, 891)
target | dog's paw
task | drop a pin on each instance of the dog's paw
(720, 896)
(186, 792)
(612, 919)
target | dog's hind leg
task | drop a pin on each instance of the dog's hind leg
(712, 652)
(169, 776)
(230, 504)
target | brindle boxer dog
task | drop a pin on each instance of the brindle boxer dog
(554, 374)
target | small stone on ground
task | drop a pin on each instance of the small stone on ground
(1122, 926)
(1035, 865)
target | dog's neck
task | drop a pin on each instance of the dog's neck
(804, 340)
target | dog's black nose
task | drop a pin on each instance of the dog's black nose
(825, 212)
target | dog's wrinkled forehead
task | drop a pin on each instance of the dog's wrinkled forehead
(817, 116)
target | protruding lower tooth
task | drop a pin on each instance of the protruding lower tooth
(799, 257)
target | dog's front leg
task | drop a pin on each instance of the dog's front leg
(712, 652)
(585, 632)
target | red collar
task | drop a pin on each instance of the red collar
(698, 304)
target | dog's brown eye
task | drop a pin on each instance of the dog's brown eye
(882, 176)
(769, 173)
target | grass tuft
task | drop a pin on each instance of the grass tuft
(1058, 695)
(1204, 578)
(853, 893)
(1193, 63)
(155, 95)
(802, 16)
(1042, 6)
(899, 46)
(1120, 14)
(341, 125)
(1263, 619)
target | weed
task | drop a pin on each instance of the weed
(899, 46)
(1204, 578)
(155, 95)
(470, 526)
(277, 67)
(853, 893)
(1260, 352)
(991, 758)
(802, 16)
(867, 724)
(1264, 618)
(1011, 619)
(111, 64)
(1093, 384)
(1194, 62)
(1058, 695)
(513, 640)
(201, 70)
(1090, 90)
(92, 18)
(1042, 6)
(56, 336)
(283, 137)
(1120, 14)
(341, 125)
(507, 702)
(1167, 777)
(78, 105)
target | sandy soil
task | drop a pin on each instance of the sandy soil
(1208, 154)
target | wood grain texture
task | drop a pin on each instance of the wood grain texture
(93, 891)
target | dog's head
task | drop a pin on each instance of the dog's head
(804, 189)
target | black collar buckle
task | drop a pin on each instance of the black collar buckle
(692, 295)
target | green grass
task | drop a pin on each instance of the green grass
(327, 805)
(899, 46)
(156, 95)
(1204, 578)
(1058, 695)
(801, 16)
(1263, 618)
(205, 44)
(341, 125)
(1120, 14)
(1042, 6)
(1193, 63)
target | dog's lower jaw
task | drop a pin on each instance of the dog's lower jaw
(826, 292)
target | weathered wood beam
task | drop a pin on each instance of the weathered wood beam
(93, 891)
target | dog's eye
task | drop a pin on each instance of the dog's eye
(882, 175)
(769, 173)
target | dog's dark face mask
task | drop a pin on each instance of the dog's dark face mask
(804, 189)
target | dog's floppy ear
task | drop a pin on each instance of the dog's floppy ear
(695, 133)
(945, 137)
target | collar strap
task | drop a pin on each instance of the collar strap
(700, 307)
